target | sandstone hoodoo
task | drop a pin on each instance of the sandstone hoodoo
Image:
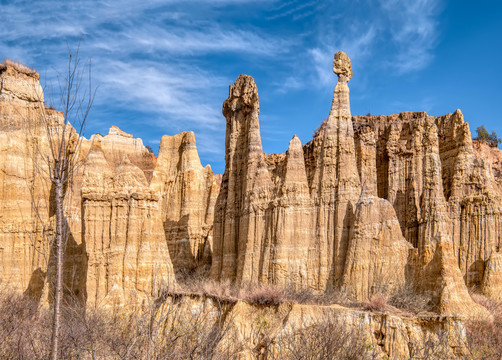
(357, 210)
(289, 218)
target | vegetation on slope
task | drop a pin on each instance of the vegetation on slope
(483, 135)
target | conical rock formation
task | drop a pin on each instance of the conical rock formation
(377, 252)
(442, 280)
(492, 280)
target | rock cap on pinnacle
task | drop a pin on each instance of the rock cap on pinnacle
(342, 66)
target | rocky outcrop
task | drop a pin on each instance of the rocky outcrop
(260, 199)
(377, 252)
(127, 211)
(287, 327)
(302, 219)
(187, 193)
(23, 248)
(118, 144)
(441, 279)
(493, 157)
(335, 184)
(427, 168)
(144, 218)
(126, 250)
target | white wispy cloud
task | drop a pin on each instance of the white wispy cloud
(169, 91)
(295, 8)
(413, 26)
(210, 39)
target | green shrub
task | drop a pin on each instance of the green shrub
(490, 139)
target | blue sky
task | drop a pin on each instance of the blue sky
(163, 67)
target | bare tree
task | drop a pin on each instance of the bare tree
(61, 162)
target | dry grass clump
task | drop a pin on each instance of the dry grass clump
(264, 295)
(410, 302)
(24, 331)
(377, 303)
(18, 66)
(258, 293)
(485, 335)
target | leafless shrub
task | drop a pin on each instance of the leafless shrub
(167, 329)
(410, 301)
(484, 334)
(325, 339)
(223, 291)
(378, 302)
(263, 294)
(493, 306)
(436, 347)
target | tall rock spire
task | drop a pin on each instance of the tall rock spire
(336, 184)
(245, 188)
(348, 187)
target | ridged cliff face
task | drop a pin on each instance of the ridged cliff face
(23, 253)
(188, 193)
(131, 215)
(427, 168)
